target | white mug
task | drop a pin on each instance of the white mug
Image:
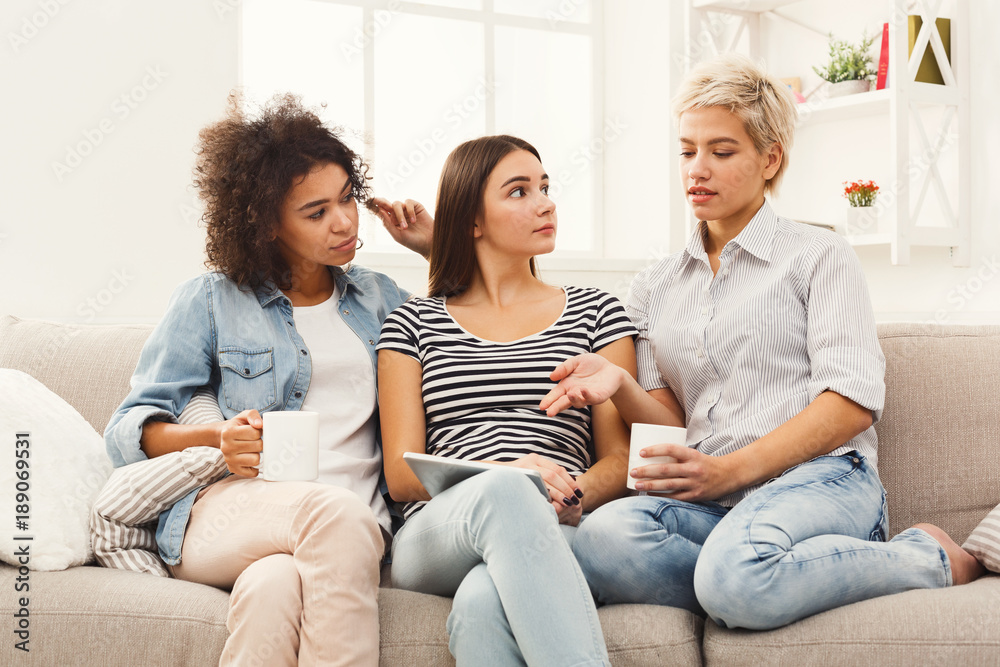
(644, 435)
(291, 446)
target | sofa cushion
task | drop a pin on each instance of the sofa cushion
(412, 628)
(939, 437)
(948, 626)
(642, 635)
(89, 366)
(97, 616)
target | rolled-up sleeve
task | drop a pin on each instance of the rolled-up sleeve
(637, 307)
(844, 352)
(176, 360)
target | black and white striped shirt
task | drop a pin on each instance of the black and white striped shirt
(481, 397)
(787, 317)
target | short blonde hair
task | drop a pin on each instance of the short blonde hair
(761, 101)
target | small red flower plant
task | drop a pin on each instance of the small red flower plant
(860, 193)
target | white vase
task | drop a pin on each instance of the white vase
(862, 220)
(849, 87)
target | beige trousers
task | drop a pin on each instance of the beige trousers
(302, 560)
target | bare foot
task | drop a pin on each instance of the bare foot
(964, 566)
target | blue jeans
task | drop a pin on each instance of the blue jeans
(494, 544)
(808, 541)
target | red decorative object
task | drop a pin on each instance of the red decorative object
(883, 61)
(860, 193)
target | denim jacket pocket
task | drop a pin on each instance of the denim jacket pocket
(248, 378)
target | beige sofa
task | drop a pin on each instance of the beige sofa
(939, 459)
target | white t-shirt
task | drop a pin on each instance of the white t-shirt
(342, 391)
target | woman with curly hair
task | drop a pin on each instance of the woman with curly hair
(283, 322)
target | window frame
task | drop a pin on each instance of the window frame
(491, 20)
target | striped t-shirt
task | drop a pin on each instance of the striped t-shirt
(481, 397)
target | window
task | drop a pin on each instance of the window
(409, 81)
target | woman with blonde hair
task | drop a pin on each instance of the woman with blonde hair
(759, 337)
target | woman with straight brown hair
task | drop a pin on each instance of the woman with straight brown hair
(460, 375)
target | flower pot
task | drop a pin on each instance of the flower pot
(849, 87)
(862, 220)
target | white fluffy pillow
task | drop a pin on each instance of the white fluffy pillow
(66, 468)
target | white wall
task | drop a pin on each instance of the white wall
(110, 237)
(109, 240)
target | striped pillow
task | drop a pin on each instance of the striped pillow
(124, 515)
(984, 543)
(203, 408)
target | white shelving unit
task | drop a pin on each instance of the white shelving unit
(899, 106)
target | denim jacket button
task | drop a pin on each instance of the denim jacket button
(347, 312)
(246, 371)
(298, 394)
(290, 324)
(303, 352)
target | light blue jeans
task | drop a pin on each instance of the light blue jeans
(808, 541)
(494, 544)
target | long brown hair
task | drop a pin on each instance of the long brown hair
(459, 202)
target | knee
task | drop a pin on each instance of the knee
(271, 582)
(738, 590)
(599, 539)
(343, 512)
(608, 537)
(506, 491)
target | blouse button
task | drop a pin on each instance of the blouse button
(700, 353)
(298, 394)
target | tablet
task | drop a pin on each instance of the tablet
(438, 473)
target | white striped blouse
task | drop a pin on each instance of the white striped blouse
(787, 317)
(481, 396)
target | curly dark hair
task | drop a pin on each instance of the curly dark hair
(245, 169)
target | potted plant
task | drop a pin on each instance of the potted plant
(862, 216)
(851, 68)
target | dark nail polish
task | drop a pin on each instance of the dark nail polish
(567, 502)
(576, 501)
(579, 493)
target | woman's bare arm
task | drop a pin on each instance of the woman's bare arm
(159, 438)
(404, 427)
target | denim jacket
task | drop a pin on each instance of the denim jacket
(245, 346)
